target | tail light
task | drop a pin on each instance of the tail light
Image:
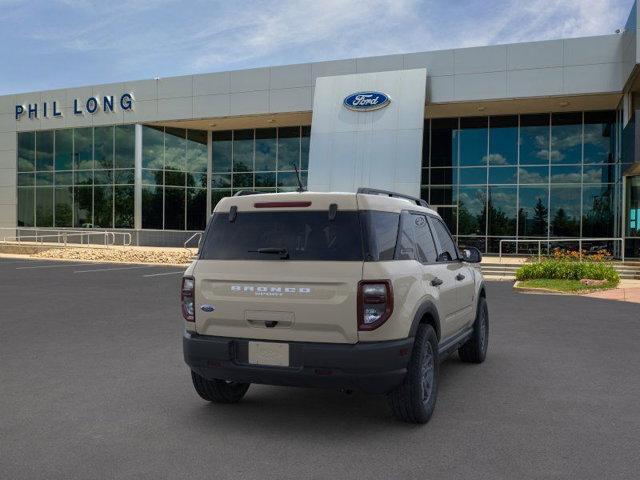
(187, 299)
(375, 303)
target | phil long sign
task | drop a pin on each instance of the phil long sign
(91, 105)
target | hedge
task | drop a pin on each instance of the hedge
(568, 271)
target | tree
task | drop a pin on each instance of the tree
(540, 219)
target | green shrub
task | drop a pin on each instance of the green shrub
(558, 269)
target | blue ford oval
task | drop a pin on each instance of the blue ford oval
(366, 101)
(207, 308)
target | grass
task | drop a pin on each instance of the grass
(565, 286)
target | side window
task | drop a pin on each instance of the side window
(447, 246)
(425, 246)
(405, 248)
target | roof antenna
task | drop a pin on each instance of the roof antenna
(300, 188)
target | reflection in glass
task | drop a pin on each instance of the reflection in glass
(125, 146)
(103, 147)
(597, 211)
(265, 179)
(26, 179)
(266, 149)
(243, 150)
(503, 140)
(26, 151)
(152, 147)
(444, 142)
(471, 211)
(174, 208)
(304, 147)
(152, 207)
(605, 173)
(444, 176)
(123, 201)
(473, 141)
(64, 149)
(83, 177)
(44, 150)
(473, 176)
(82, 206)
(599, 141)
(44, 179)
(534, 139)
(288, 148)
(103, 207)
(26, 205)
(501, 210)
(534, 175)
(533, 212)
(44, 207)
(571, 174)
(443, 196)
(502, 175)
(175, 149)
(83, 148)
(221, 151)
(566, 138)
(196, 208)
(565, 211)
(197, 152)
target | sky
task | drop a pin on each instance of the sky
(48, 44)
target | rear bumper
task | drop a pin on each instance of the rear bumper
(375, 367)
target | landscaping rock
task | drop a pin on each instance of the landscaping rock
(172, 256)
(593, 283)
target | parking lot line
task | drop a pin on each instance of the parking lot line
(112, 269)
(165, 273)
(53, 266)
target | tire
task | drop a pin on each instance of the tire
(475, 349)
(415, 400)
(219, 391)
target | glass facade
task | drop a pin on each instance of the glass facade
(262, 159)
(77, 177)
(539, 176)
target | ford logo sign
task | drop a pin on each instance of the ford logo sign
(366, 101)
(207, 308)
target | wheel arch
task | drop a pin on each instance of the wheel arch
(427, 314)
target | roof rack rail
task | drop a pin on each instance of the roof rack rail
(243, 193)
(376, 191)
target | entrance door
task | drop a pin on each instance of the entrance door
(632, 215)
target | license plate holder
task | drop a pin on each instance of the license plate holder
(273, 354)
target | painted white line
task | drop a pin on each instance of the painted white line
(111, 269)
(54, 266)
(159, 274)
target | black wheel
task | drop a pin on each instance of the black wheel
(475, 349)
(219, 391)
(415, 400)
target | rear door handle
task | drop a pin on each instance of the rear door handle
(460, 277)
(436, 282)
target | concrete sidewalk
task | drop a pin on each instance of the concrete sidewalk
(627, 291)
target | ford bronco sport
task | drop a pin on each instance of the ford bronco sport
(355, 291)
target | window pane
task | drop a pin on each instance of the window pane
(501, 210)
(380, 230)
(44, 150)
(565, 211)
(82, 206)
(217, 195)
(152, 177)
(221, 181)
(221, 151)
(152, 147)
(103, 207)
(197, 179)
(83, 148)
(444, 176)
(196, 208)
(597, 211)
(534, 175)
(197, 152)
(64, 149)
(26, 151)
(174, 208)
(44, 179)
(175, 149)
(599, 173)
(473, 176)
(124, 176)
(124, 207)
(599, 140)
(473, 141)
(288, 148)
(534, 139)
(566, 174)
(243, 180)
(83, 177)
(265, 149)
(102, 177)
(501, 175)
(304, 147)
(471, 211)
(152, 207)
(26, 179)
(566, 138)
(125, 146)
(26, 202)
(442, 196)
(533, 214)
(503, 140)
(444, 142)
(243, 150)
(176, 179)
(103, 147)
(64, 178)
(44, 207)
(425, 246)
(265, 179)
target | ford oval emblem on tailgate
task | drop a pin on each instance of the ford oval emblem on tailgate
(207, 308)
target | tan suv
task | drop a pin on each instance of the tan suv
(356, 291)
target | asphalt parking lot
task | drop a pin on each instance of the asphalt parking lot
(92, 385)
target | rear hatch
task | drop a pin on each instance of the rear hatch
(281, 267)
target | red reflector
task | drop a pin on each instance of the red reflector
(282, 204)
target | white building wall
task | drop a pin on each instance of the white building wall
(380, 148)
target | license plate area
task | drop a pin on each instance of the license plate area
(268, 353)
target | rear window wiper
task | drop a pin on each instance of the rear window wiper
(284, 254)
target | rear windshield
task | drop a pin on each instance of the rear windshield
(306, 235)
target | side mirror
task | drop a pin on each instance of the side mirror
(471, 255)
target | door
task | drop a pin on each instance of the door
(459, 274)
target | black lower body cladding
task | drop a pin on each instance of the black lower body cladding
(375, 367)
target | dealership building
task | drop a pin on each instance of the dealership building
(519, 142)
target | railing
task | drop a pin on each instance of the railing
(188, 240)
(548, 242)
(66, 237)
